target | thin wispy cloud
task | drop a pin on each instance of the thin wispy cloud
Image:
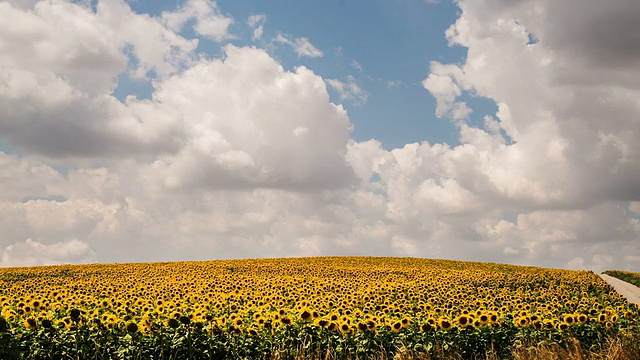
(302, 46)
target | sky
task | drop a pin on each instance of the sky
(483, 130)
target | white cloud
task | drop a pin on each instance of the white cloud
(256, 22)
(442, 84)
(349, 90)
(156, 48)
(59, 65)
(245, 114)
(302, 46)
(31, 253)
(209, 21)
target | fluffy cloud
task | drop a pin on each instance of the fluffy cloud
(581, 132)
(571, 163)
(243, 115)
(58, 66)
(209, 22)
(31, 253)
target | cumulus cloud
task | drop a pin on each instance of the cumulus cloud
(209, 21)
(567, 170)
(442, 84)
(245, 113)
(31, 253)
(58, 66)
(302, 46)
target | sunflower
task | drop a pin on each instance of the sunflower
(569, 319)
(445, 324)
(362, 327)
(371, 325)
(185, 320)
(462, 321)
(426, 327)
(493, 317)
(132, 327)
(405, 322)
(31, 323)
(285, 320)
(583, 319)
(521, 321)
(173, 323)
(305, 315)
(547, 324)
(74, 314)
(608, 324)
(396, 326)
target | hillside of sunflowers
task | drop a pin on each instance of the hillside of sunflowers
(318, 308)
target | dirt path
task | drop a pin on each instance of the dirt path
(629, 291)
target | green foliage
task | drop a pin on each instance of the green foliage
(630, 277)
(300, 340)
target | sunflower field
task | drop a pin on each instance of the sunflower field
(341, 307)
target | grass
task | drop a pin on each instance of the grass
(628, 276)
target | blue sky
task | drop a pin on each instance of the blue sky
(391, 41)
(474, 130)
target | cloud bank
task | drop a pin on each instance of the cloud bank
(237, 157)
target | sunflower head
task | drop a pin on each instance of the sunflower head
(397, 326)
(305, 315)
(74, 314)
(345, 328)
(362, 327)
(185, 320)
(132, 327)
(46, 323)
(445, 324)
(568, 318)
(582, 318)
(426, 327)
(31, 323)
(463, 321)
(608, 324)
(173, 323)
